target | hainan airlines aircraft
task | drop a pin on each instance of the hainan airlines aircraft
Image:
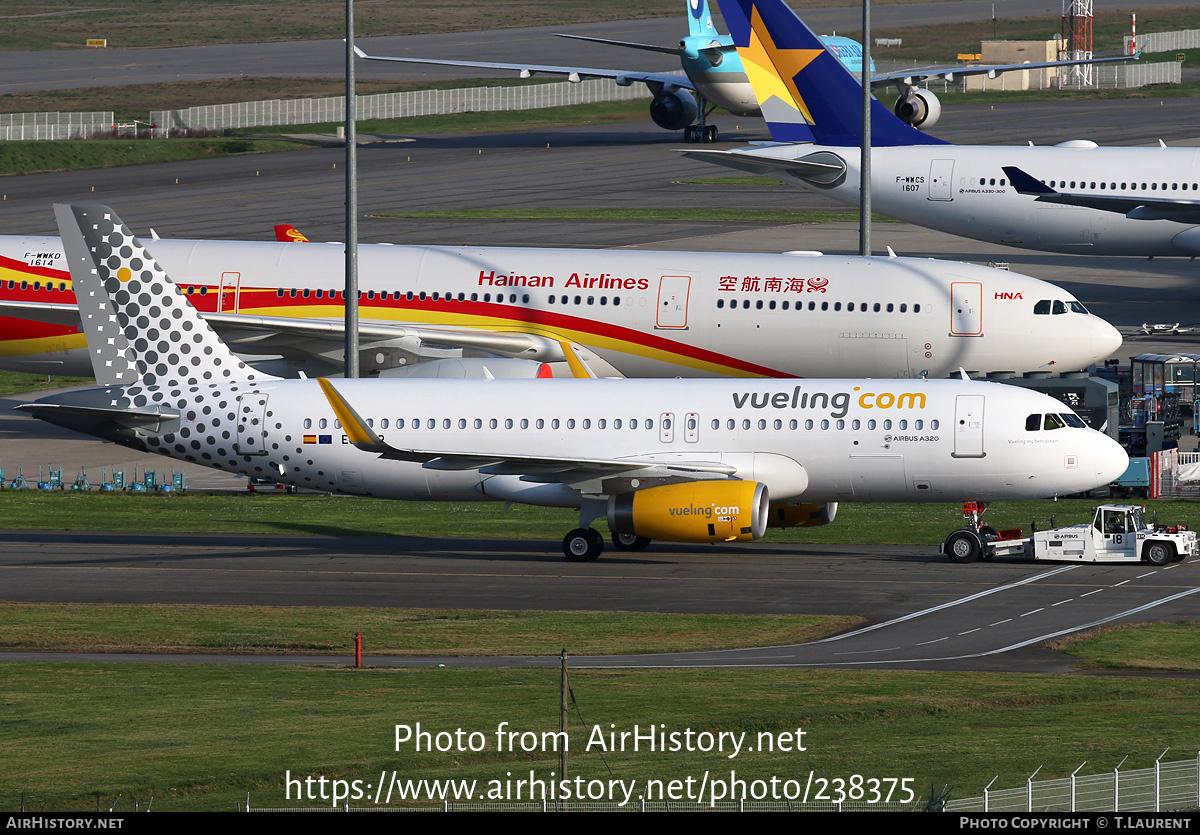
(1074, 197)
(639, 314)
(715, 77)
(678, 460)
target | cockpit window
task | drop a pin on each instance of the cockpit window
(1076, 307)
(1033, 423)
(1042, 308)
(1059, 307)
(1073, 421)
(1054, 422)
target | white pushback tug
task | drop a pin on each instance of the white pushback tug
(1117, 533)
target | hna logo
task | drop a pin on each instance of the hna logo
(697, 8)
(1008, 295)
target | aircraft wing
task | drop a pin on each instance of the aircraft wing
(622, 77)
(910, 77)
(66, 315)
(1135, 207)
(666, 50)
(320, 337)
(316, 336)
(551, 468)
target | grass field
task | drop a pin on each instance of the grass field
(329, 630)
(77, 154)
(202, 737)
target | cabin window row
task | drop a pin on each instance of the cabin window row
(691, 423)
(37, 285)
(1124, 186)
(385, 295)
(851, 307)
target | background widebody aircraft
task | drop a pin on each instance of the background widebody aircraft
(678, 460)
(638, 313)
(714, 76)
(1073, 197)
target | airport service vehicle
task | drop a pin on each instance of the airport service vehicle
(1073, 197)
(679, 460)
(1117, 533)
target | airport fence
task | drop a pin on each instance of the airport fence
(1166, 41)
(605, 806)
(54, 125)
(1167, 787)
(394, 105)
(1103, 77)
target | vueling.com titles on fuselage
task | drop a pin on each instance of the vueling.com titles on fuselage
(839, 402)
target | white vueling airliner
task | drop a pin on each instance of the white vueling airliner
(679, 460)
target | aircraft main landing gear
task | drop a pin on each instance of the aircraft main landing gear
(700, 133)
(629, 541)
(583, 545)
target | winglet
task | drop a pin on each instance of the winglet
(579, 368)
(1025, 183)
(357, 430)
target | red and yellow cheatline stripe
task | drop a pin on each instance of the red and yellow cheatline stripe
(36, 337)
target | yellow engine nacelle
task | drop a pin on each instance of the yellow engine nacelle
(801, 514)
(696, 511)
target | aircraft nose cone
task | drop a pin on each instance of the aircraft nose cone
(1105, 339)
(1111, 459)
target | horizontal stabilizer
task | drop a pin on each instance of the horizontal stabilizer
(60, 413)
(820, 169)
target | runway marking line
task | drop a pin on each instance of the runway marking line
(998, 651)
(1034, 612)
(952, 603)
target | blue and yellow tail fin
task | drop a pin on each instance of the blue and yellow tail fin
(805, 93)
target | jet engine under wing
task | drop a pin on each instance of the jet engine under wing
(566, 470)
(909, 77)
(1135, 207)
(655, 80)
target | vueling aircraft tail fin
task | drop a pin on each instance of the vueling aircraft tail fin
(803, 90)
(140, 327)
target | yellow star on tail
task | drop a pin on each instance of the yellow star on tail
(772, 70)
